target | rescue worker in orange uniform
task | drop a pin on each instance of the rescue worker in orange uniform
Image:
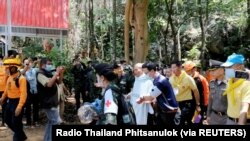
(3, 80)
(16, 94)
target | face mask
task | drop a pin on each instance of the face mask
(229, 73)
(99, 80)
(13, 70)
(150, 78)
(49, 67)
(31, 65)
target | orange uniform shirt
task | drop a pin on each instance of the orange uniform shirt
(12, 91)
(3, 78)
(205, 86)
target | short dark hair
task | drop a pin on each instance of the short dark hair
(89, 62)
(12, 53)
(105, 70)
(177, 63)
(43, 61)
(123, 61)
(34, 58)
(152, 66)
(116, 65)
(144, 65)
(26, 58)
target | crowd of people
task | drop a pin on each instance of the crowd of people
(177, 94)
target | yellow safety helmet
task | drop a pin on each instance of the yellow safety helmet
(12, 62)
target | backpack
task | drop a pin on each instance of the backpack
(126, 114)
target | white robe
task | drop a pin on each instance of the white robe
(142, 87)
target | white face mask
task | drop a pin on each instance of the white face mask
(150, 78)
(229, 73)
(99, 80)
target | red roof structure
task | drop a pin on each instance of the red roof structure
(33, 18)
(36, 13)
(3, 12)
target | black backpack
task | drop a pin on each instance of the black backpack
(126, 114)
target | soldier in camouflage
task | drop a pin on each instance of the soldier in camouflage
(125, 80)
(92, 91)
(79, 75)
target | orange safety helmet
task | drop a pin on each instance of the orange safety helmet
(189, 65)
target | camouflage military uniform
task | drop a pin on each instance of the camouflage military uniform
(79, 84)
(109, 118)
(93, 91)
(125, 82)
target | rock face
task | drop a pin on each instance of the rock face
(221, 36)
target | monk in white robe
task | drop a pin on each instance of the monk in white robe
(142, 87)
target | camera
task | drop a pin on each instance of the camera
(241, 74)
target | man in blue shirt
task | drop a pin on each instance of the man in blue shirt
(33, 99)
(162, 91)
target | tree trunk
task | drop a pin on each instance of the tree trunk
(104, 4)
(171, 22)
(248, 20)
(126, 28)
(166, 55)
(203, 38)
(114, 29)
(136, 15)
(91, 28)
(178, 44)
(160, 54)
(141, 30)
(86, 28)
(178, 35)
(102, 49)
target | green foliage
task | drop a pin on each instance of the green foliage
(103, 26)
(224, 23)
(194, 53)
(32, 47)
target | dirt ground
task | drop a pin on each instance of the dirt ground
(37, 133)
(33, 134)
